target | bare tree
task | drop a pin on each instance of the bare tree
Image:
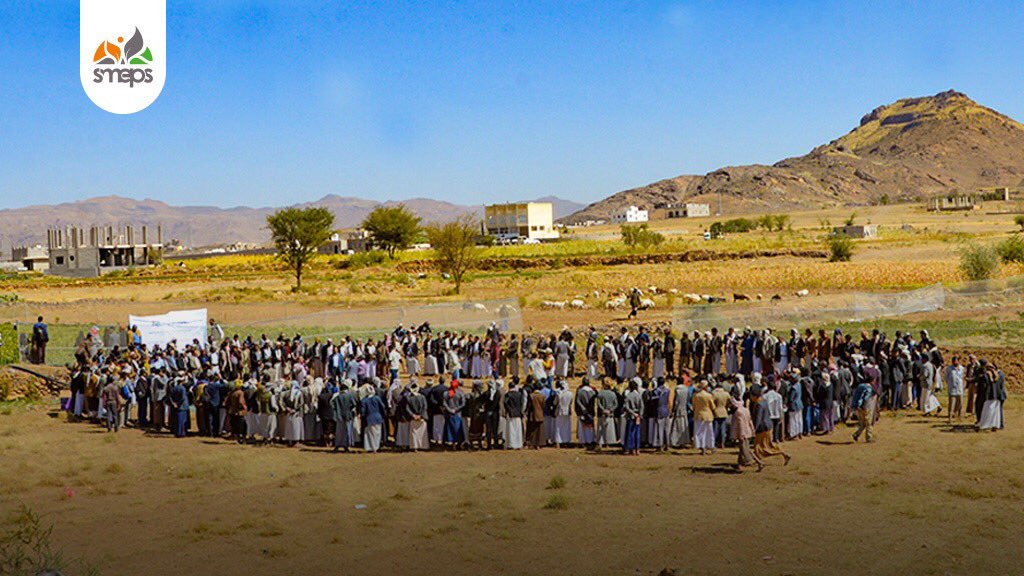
(455, 248)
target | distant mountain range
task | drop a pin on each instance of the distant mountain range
(910, 149)
(208, 225)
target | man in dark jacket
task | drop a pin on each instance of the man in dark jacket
(326, 414)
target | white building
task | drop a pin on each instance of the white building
(688, 210)
(521, 220)
(630, 215)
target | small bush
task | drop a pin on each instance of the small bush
(557, 502)
(557, 483)
(26, 547)
(979, 262)
(364, 259)
(840, 248)
(1011, 249)
(8, 344)
(640, 236)
(1019, 221)
(733, 226)
(770, 222)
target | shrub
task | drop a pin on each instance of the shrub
(1011, 249)
(557, 502)
(978, 261)
(640, 236)
(26, 547)
(733, 226)
(557, 483)
(840, 248)
(8, 344)
(771, 222)
(364, 259)
(1019, 221)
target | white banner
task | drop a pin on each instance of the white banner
(181, 325)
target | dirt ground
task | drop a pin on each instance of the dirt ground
(925, 499)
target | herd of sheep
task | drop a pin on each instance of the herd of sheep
(620, 300)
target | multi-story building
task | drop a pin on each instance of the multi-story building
(533, 220)
(630, 215)
(79, 252)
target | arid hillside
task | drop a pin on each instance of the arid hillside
(912, 148)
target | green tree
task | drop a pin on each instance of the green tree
(298, 234)
(455, 248)
(640, 236)
(392, 228)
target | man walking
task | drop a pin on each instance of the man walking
(864, 405)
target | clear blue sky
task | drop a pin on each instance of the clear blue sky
(270, 103)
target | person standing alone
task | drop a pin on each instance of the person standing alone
(40, 337)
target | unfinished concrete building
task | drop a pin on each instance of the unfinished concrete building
(81, 252)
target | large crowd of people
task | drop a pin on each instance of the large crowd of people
(417, 389)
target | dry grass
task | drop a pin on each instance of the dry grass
(227, 505)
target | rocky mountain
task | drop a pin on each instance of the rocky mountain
(910, 149)
(206, 225)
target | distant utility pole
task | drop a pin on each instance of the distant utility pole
(719, 213)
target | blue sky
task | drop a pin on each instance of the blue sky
(273, 102)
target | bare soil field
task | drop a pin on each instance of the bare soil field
(926, 498)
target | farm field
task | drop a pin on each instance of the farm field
(253, 295)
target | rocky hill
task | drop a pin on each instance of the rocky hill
(910, 149)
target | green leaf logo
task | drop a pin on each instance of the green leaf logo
(134, 51)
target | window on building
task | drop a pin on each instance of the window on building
(59, 260)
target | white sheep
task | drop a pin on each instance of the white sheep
(646, 304)
(577, 304)
(615, 303)
(553, 305)
(803, 293)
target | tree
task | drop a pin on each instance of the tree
(298, 234)
(455, 247)
(640, 236)
(392, 228)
